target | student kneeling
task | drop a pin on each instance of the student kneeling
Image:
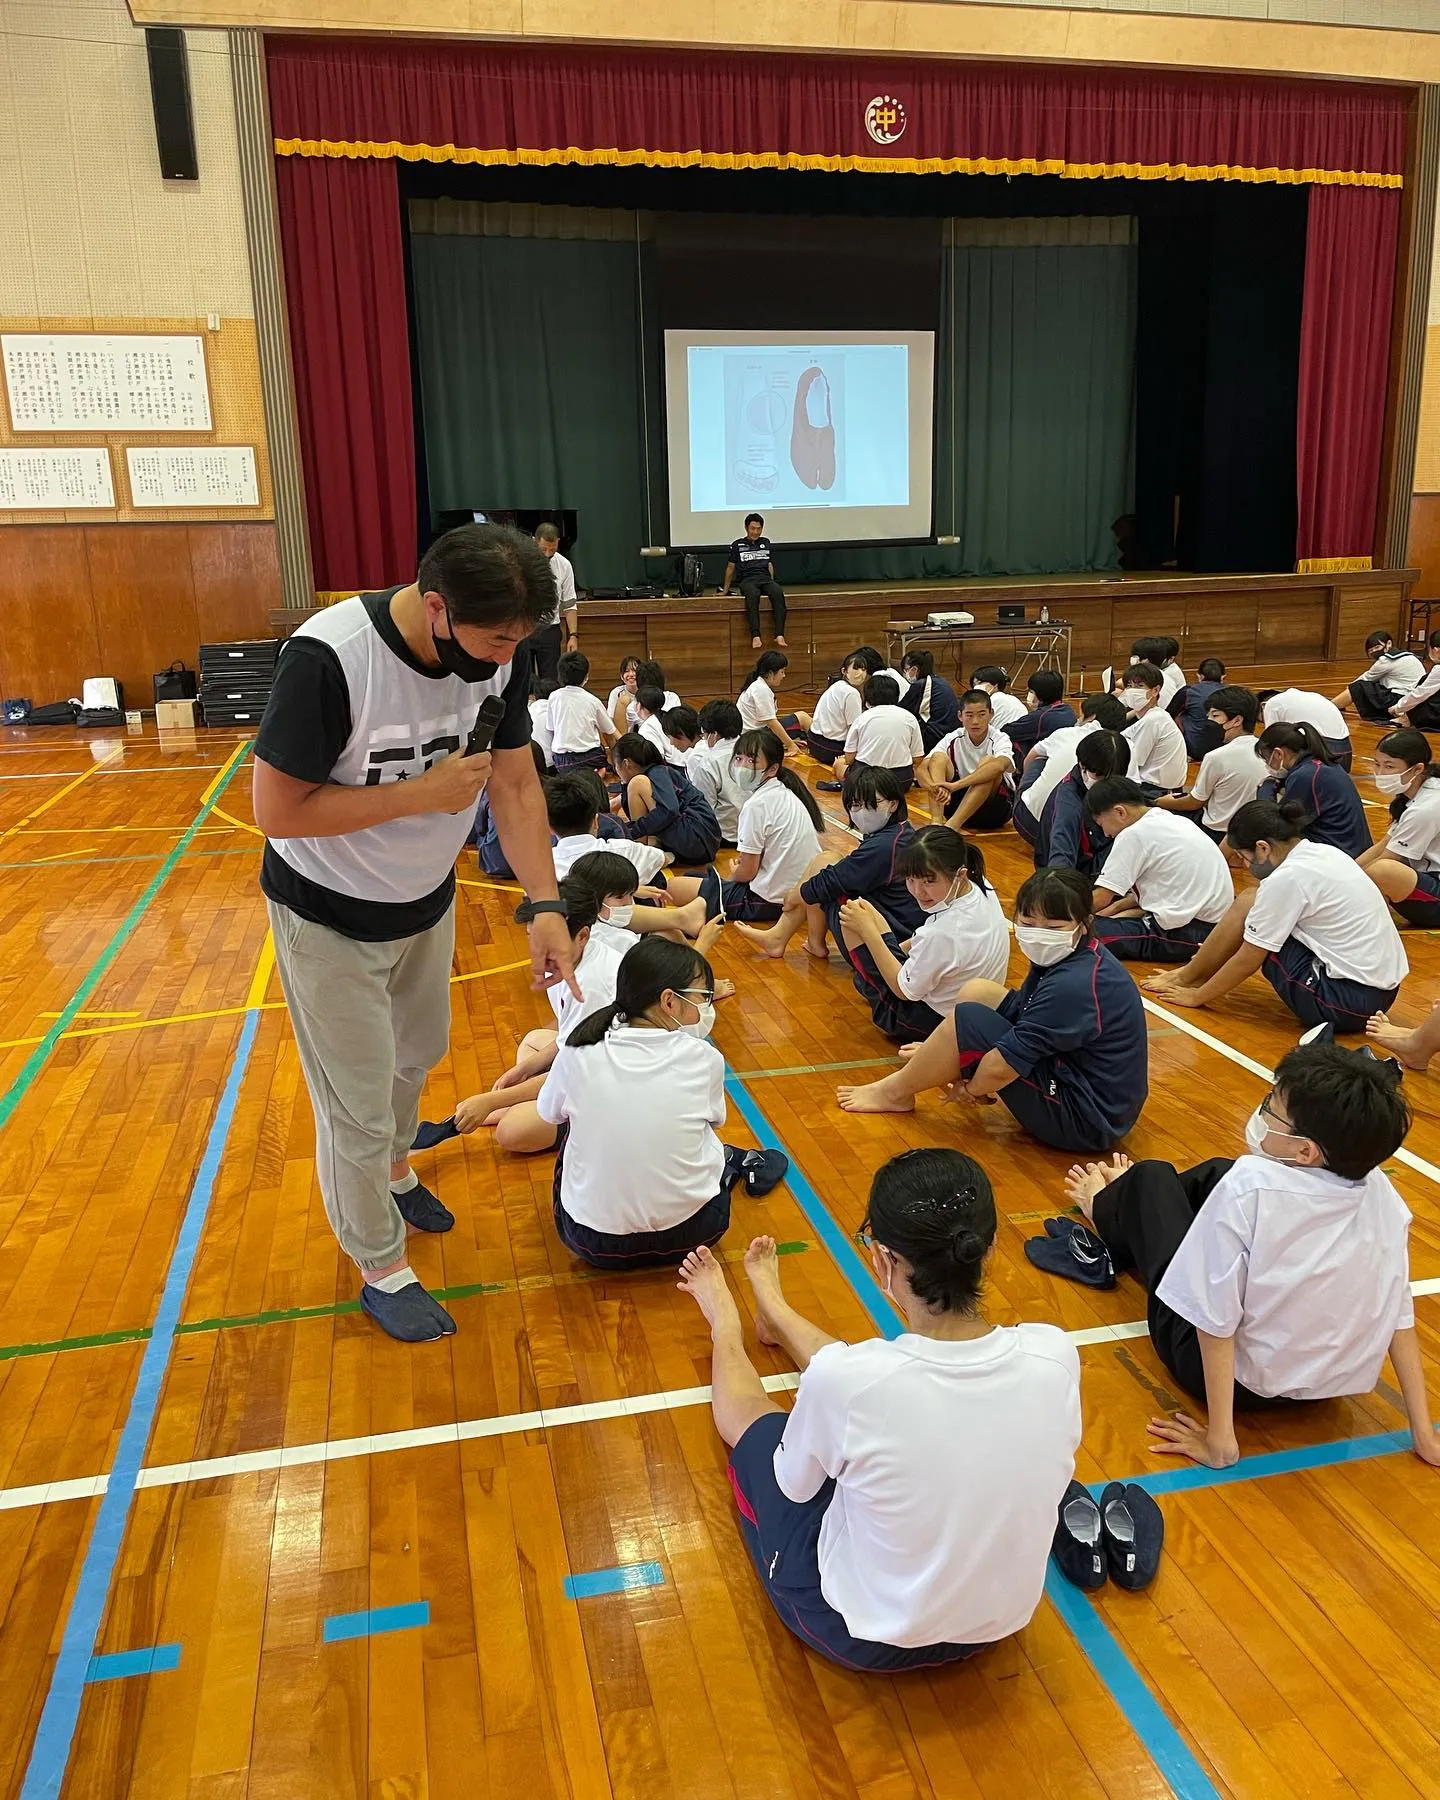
(1166, 885)
(900, 1516)
(635, 1096)
(1284, 1275)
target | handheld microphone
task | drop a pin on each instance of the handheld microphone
(487, 720)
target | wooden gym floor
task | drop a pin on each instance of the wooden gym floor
(310, 1562)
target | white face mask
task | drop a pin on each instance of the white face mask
(870, 818)
(1390, 784)
(619, 916)
(1088, 778)
(1258, 1128)
(747, 780)
(702, 1025)
(935, 906)
(1134, 698)
(1045, 947)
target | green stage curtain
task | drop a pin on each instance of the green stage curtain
(1044, 347)
(529, 353)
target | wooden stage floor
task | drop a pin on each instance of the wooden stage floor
(208, 1455)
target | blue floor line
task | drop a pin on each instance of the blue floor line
(622, 1580)
(119, 1665)
(340, 1628)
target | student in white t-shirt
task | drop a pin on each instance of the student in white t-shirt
(909, 987)
(1405, 866)
(1230, 775)
(635, 1097)
(1005, 706)
(1316, 927)
(1163, 653)
(778, 839)
(710, 765)
(581, 730)
(650, 708)
(1165, 886)
(1158, 757)
(571, 798)
(1298, 706)
(540, 721)
(1284, 1275)
(837, 709)
(970, 774)
(635, 672)
(757, 698)
(901, 1515)
(884, 736)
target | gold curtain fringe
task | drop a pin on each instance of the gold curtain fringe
(1333, 565)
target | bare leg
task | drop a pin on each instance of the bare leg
(935, 1064)
(985, 993)
(673, 921)
(803, 720)
(936, 768)
(1414, 1048)
(815, 933)
(490, 1107)
(1395, 879)
(776, 1321)
(522, 1130)
(1214, 953)
(774, 939)
(639, 797)
(1086, 1180)
(971, 800)
(737, 1396)
(682, 889)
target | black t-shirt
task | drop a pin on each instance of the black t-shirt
(751, 560)
(305, 731)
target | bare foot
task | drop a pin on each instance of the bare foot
(874, 1097)
(702, 1277)
(907, 1051)
(757, 643)
(724, 990)
(1399, 1042)
(762, 1265)
(1086, 1180)
(764, 938)
(820, 951)
(708, 936)
(689, 917)
(781, 642)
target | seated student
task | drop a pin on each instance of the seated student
(911, 986)
(874, 664)
(837, 709)
(1046, 711)
(710, 765)
(1066, 1052)
(971, 772)
(1006, 706)
(571, 805)
(778, 838)
(624, 691)
(623, 910)
(1406, 865)
(1231, 773)
(1066, 836)
(901, 1514)
(580, 728)
(1297, 706)
(1285, 1274)
(1165, 887)
(1393, 673)
(752, 559)
(757, 697)
(681, 725)
(885, 736)
(635, 673)
(1299, 769)
(649, 715)
(1158, 757)
(1052, 759)
(1421, 706)
(541, 691)
(1189, 707)
(929, 696)
(1164, 654)
(875, 802)
(634, 1098)
(663, 804)
(1317, 928)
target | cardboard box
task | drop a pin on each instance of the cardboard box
(175, 715)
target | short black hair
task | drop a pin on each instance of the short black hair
(865, 657)
(569, 803)
(1151, 649)
(936, 1209)
(922, 661)
(1235, 703)
(1349, 1102)
(993, 673)
(754, 519)
(723, 718)
(878, 690)
(1376, 638)
(1274, 822)
(604, 873)
(1047, 685)
(681, 722)
(1108, 712)
(1144, 674)
(1117, 790)
(488, 575)
(573, 669)
(1103, 754)
(865, 784)
(635, 747)
(648, 673)
(547, 532)
(1212, 669)
(976, 697)
(651, 698)
(1057, 894)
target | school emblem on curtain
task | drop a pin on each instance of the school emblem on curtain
(885, 119)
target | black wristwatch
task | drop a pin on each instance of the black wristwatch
(529, 910)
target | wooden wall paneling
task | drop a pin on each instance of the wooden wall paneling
(47, 621)
(144, 597)
(1357, 611)
(605, 641)
(694, 655)
(1092, 628)
(834, 633)
(1424, 551)
(1223, 625)
(1294, 623)
(1134, 615)
(236, 575)
(734, 633)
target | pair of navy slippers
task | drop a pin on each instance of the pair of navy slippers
(1117, 1538)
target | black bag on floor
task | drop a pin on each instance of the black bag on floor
(98, 715)
(58, 712)
(175, 683)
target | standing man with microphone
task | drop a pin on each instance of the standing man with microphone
(547, 641)
(390, 712)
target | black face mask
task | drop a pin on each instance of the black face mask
(456, 661)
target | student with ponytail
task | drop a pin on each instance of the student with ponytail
(900, 1515)
(778, 836)
(634, 1098)
(662, 805)
(1302, 770)
(1068, 838)
(757, 697)
(1316, 927)
(1406, 866)
(910, 986)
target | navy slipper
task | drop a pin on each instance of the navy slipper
(412, 1315)
(734, 1166)
(830, 787)
(1073, 1251)
(433, 1132)
(1134, 1529)
(421, 1209)
(764, 1170)
(1077, 1548)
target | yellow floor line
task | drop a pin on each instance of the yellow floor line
(56, 798)
(263, 970)
(495, 887)
(217, 812)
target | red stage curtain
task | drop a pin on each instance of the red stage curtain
(1350, 253)
(512, 103)
(349, 335)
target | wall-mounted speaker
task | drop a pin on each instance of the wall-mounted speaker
(170, 101)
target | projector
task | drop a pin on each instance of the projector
(941, 621)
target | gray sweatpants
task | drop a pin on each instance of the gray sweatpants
(371, 1021)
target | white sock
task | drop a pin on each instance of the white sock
(407, 1181)
(392, 1284)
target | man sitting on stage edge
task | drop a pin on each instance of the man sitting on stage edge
(751, 559)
